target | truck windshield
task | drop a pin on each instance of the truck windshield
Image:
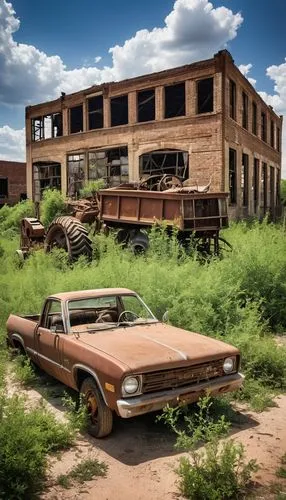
(105, 312)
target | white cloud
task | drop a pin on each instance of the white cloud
(245, 68)
(97, 59)
(278, 101)
(193, 30)
(12, 144)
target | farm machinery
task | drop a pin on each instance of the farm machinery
(131, 209)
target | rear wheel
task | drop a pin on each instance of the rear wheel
(100, 417)
(139, 242)
(70, 234)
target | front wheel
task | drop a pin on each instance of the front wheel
(100, 417)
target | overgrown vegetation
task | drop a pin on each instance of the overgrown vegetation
(219, 471)
(281, 472)
(86, 470)
(26, 437)
(91, 188)
(240, 299)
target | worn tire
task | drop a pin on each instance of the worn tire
(100, 420)
(139, 242)
(70, 234)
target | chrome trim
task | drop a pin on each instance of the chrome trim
(91, 372)
(36, 353)
(146, 403)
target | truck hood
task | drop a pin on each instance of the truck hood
(145, 347)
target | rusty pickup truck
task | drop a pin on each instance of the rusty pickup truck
(108, 345)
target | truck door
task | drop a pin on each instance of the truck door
(49, 339)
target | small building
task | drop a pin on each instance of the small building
(202, 121)
(12, 182)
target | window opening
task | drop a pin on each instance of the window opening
(244, 179)
(46, 175)
(165, 162)
(255, 181)
(232, 175)
(175, 100)
(278, 139)
(76, 119)
(263, 127)
(95, 112)
(111, 165)
(205, 95)
(75, 174)
(146, 105)
(244, 110)
(232, 99)
(254, 118)
(119, 110)
(3, 187)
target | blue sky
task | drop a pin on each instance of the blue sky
(50, 46)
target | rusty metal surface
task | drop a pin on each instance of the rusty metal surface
(165, 356)
(187, 211)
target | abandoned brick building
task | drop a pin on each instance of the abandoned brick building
(12, 182)
(203, 121)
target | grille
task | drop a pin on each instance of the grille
(179, 377)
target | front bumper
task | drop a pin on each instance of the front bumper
(146, 403)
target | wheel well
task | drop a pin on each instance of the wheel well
(18, 345)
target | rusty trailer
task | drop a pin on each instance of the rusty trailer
(192, 214)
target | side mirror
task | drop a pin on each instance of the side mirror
(57, 329)
(165, 317)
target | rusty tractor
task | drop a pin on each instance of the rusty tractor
(131, 209)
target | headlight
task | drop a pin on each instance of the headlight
(130, 385)
(228, 365)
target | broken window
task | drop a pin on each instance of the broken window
(175, 100)
(263, 127)
(76, 119)
(75, 174)
(255, 182)
(232, 99)
(3, 187)
(37, 129)
(244, 180)
(165, 162)
(46, 175)
(272, 188)
(232, 175)
(264, 186)
(278, 139)
(119, 110)
(95, 112)
(146, 105)
(272, 134)
(205, 95)
(111, 165)
(244, 110)
(47, 127)
(254, 118)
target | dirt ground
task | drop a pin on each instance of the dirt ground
(141, 458)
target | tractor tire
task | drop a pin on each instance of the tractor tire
(70, 234)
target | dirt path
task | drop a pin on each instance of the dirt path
(141, 458)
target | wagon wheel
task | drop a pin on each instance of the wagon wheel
(169, 181)
(68, 233)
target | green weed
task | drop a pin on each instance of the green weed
(86, 470)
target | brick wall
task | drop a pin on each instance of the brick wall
(15, 172)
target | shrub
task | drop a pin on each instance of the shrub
(52, 205)
(91, 188)
(25, 439)
(218, 473)
(24, 370)
(10, 217)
